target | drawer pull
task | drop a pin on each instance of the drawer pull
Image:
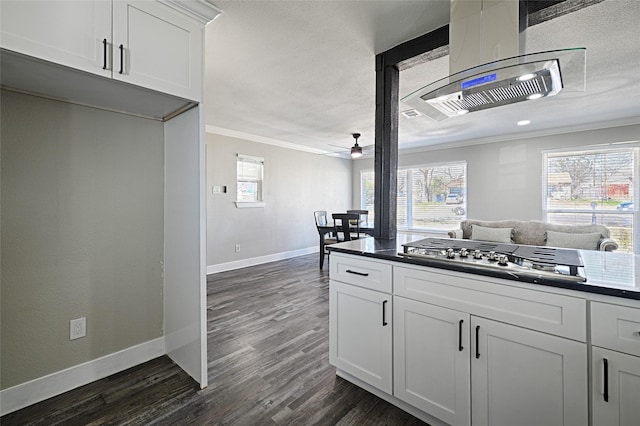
(384, 313)
(605, 380)
(460, 347)
(121, 59)
(104, 54)
(362, 274)
(477, 341)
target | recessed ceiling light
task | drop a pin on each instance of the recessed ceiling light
(534, 96)
(524, 122)
(462, 111)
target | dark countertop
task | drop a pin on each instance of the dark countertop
(609, 273)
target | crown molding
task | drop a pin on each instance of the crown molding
(261, 139)
(202, 10)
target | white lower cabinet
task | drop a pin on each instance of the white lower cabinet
(615, 371)
(524, 377)
(360, 336)
(615, 394)
(444, 359)
(466, 351)
(431, 359)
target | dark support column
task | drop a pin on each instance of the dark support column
(387, 111)
(386, 148)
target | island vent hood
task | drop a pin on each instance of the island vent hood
(492, 33)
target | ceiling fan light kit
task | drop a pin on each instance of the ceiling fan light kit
(356, 150)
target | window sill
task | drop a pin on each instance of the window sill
(249, 204)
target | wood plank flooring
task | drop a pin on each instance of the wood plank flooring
(268, 345)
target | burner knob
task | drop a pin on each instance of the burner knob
(503, 260)
(450, 253)
(492, 255)
(464, 252)
(477, 254)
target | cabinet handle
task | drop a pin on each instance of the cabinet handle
(121, 59)
(384, 313)
(460, 347)
(104, 54)
(606, 379)
(362, 274)
(477, 341)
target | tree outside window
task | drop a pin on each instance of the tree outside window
(594, 186)
(430, 197)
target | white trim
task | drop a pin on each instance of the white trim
(249, 204)
(251, 158)
(36, 390)
(203, 11)
(261, 139)
(243, 263)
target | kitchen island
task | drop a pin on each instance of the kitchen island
(459, 348)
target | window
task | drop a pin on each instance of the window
(431, 197)
(594, 185)
(249, 180)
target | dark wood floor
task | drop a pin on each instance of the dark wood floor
(268, 365)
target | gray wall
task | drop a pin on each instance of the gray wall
(504, 179)
(295, 184)
(81, 233)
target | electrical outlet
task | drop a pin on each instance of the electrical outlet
(237, 248)
(77, 328)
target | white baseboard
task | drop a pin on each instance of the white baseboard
(25, 394)
(243, 263)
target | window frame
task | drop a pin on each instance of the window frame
(242, 159)
(409, 203)
(596, 210)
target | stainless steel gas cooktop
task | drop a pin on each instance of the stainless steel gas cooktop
(512, 261)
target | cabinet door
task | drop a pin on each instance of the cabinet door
(523, 377)
(619, 381)
(158, 48)
(360, 333)
(70, 33)
(431, 359)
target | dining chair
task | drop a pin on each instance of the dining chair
(346, 226)
(363, 216)
(323, 227)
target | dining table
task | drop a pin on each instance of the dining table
(329, 228)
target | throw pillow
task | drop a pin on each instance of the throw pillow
(575, 241)
(496, 235)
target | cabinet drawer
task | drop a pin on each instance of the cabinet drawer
(360, 271)
(486, 297)
(615, 327)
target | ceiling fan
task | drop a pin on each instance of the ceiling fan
(356, 150)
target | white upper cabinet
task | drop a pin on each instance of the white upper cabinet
(72, 33)
(155, 47)
(144, 43)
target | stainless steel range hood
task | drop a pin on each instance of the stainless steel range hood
(486, 30)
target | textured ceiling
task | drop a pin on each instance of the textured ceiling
(302, 72)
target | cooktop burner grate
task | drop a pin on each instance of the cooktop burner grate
(532, 258)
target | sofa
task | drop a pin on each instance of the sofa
(536, 233)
